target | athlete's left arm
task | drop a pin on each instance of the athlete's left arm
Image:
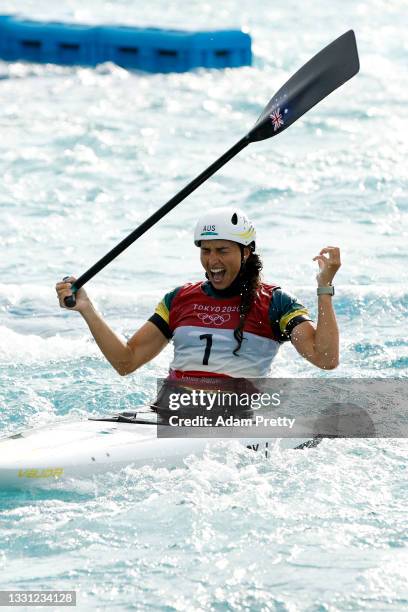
(320, 344)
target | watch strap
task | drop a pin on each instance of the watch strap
(325, 290)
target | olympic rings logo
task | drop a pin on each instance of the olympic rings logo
(215, 319)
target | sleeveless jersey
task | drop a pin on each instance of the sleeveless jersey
(201, 325)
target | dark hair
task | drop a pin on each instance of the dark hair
(250, 280)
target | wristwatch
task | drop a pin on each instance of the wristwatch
(328, 290)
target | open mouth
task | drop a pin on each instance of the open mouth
(217, 275)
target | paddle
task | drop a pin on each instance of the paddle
(326, 71)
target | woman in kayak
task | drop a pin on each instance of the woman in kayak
(230, 325)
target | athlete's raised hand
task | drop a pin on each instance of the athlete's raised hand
(329, 262)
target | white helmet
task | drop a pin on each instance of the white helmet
(225, 224)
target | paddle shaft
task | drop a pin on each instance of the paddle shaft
(159, 214)
(321, 75)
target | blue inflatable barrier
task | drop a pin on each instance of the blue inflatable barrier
(46, 42)
(149, 49)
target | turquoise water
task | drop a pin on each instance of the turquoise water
(86, 155)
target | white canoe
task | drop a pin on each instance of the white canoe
(77, 449)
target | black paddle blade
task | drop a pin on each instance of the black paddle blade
(326, 71)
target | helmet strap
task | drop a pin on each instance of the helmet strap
(243, 260)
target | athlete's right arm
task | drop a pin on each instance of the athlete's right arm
(125, 357)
